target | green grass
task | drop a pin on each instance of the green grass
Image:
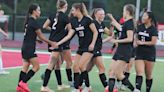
(9, 82)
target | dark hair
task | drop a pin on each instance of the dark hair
(31, 8)
(81, 7)
(130, 8)
(151, 16)
(95, 11)
(60, 3)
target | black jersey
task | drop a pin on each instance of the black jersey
(128, 25)
(100, 28)
(124, 50)
(58, 25)
(30, 34)
(145, 34)
(83, 31)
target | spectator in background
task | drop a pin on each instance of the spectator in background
(2, 71)
(6, 22)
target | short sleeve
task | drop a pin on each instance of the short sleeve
(103, 25)
(130, 25)
(154, 32)
(51, 17)
(66, 19)
(89, 21)
(36, 25)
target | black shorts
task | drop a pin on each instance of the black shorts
(148, 55)
(133, 53)
(97, 53)
(123, 53)
(28, 54)
(80, 52)
(60, 48)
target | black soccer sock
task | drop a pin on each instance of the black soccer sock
(46, 77)
(58, 77)
(21, 76)
(29, 75)
(111, 83)
(127, 83)
(139, 80)
(149, 83)
(69, 74)
(103, 79)
(127, 75)
(76, 80)
(86, 78)
(81, 80)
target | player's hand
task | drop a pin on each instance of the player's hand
(6, 36)
(110, 16)
(140, 42)
(39, 41)
(53, 45)
(91, 47)
(113, 41)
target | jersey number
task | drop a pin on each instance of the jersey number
(54, 24)
(143, 38)
(81, 33)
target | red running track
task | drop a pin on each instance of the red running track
(14, 59)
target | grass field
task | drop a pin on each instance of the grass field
(9, 82)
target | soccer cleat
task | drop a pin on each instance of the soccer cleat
(61, 87)
(136, 90)
(76, 90)
(87, 89)
(123, 87)
(46, 89)
(71, 84)
(114, 90)
(19, 89)
(106, 89)
(24, 86)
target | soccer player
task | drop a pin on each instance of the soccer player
(98, 18)
(87, 34)
(125, 45)
(147, 36)
(57, 23)
(32, 30)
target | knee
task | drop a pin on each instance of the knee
(111, 73)
(68, 64)
(82, 68)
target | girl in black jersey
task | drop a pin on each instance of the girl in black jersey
(125, 46)
(87, 35)
(98, 16)
(146, 52)
(32, 30)
(57, 23)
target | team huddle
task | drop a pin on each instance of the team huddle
(136, 44)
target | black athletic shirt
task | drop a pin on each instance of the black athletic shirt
(58, 24)
(145, 34)
(100, 28)
(128, 25)
(83, 31)
(30, 34)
